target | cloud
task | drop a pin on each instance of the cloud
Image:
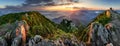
(47, 2)
(36, 2)
(28, 4)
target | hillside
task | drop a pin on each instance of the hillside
(29, 28)
(34, 29)
(103, 30)
(37, 22)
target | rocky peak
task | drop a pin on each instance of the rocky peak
(105, 35)
(112, 14)
(108, 13)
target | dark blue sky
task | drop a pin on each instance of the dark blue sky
(91, 3)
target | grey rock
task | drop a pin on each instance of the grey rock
(108, 34)
(42, 43)
(31, 42)
(22, 30)
(17, 41)
(36, 41)
(3, 42)
(82, 44)
(37, 38)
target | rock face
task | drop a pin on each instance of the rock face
(35, 40)
(108, 34)
(20, 33)
(3, 42)
(15, 36)
(21, 30)
(17, 41)
(14, 30)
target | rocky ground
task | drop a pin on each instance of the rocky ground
(18, 37)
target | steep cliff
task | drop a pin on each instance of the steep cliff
(104, 30)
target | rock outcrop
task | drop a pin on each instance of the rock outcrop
(34, 41)
(17, 41)
(3, 42)
(21, 30)
(105, 35)
(15, 36)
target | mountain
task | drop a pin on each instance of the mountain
(103, 30)
(34, 29)
(77, 17)
(67, 26)
(38, 23)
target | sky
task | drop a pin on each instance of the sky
(4, 3)
(104, 3)
(82, 3)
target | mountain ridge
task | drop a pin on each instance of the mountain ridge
(33, 18)
(103, 30)
(32, 28)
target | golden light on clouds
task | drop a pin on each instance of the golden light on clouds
(70, 7)
(67, 7)
(61, 8)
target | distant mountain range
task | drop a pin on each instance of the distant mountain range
(57, 16)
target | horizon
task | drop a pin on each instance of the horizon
(90, 4)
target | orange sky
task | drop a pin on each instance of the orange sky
(71, 7)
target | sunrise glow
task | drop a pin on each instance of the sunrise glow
(61, 8)
(71, 7)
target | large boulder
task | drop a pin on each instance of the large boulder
(37, 40)
(17, 41)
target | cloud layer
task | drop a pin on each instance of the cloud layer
(36, 2)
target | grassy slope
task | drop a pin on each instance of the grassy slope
(38, 23)
(101, 18)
